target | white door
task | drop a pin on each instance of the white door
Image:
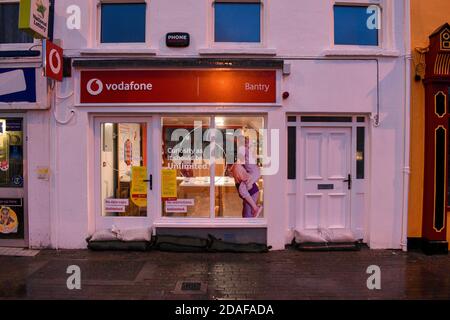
(325, 166)
(124, 172)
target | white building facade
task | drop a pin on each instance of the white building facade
(328, 80)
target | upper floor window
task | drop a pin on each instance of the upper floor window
(353, 25)
(237, 21)
(9, 22)
(123, 22)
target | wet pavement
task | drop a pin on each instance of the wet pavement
(285, 274)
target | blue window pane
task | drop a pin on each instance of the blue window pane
(237, 22)
(123, 22)
(350, 26)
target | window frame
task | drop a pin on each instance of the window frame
(386, 44)
(382, 32)
(19, 46)
(120, 45)
(100, 221)
(237, 45)
(212, 219)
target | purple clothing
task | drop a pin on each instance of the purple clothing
(247, 211)
(252, 191)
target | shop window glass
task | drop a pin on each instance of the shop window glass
(351, 26)
(360, 152)
(292, 153)
(11, 153)
(185, 176)
(238, 181)
(237, 22)
(123, 169)
(9, 21)
(440, 172)
(440, 104)
(123, 22)
(200, 161)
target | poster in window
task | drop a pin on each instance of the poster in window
(139, 186)
(129, 149)
(11, 219)
(169, 184)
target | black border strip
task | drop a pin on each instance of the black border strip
(179, 63)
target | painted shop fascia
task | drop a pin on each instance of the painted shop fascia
(338, 111)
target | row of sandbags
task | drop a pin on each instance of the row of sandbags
(326, 240)
(142, 240)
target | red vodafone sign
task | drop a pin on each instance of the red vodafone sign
(53, 61)
(178, 86)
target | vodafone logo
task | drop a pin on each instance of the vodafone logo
(92, 91)
(53, 61)
(56, 68)
(95, 86)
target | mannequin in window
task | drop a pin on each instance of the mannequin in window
(246, 174)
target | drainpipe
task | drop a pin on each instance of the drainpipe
(406, 123)
(54, 225)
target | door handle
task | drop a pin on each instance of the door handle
(150, 180)
(349, 181)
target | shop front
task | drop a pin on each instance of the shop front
(170, 144)
(168, 147)
(21, 98)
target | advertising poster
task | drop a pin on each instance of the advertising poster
(139, 186)
(169, 184)
(129, 149)
(11, 219)
(116, 205)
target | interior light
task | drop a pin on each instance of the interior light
(220, 121)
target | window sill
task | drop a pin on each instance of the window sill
(22, 106)
(118, 52)
(369, 52)
(238, 51)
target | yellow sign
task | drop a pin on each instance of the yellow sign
(168, 183)
(139, 186)
(8, 221)
(34, 17)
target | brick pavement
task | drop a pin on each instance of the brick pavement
(276, 275)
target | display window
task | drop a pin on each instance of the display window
(11, 153)
(123, 169)
(211, 167)
(13, 215)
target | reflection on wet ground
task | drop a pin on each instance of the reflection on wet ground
(276, 275)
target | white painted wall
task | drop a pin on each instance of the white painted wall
(298, 31)
(38, 152)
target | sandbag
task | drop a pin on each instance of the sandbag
(329, 246)
(139, 234)
(309, 236)
(338, 236)
(104, 235)
(119, 245)
(218, 245)
(180, 243)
